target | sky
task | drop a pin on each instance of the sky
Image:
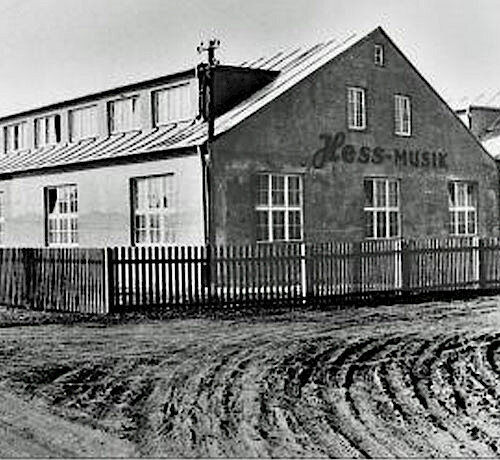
(53, 50)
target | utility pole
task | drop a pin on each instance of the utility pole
(206, 75)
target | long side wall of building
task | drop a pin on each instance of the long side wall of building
(104, 203)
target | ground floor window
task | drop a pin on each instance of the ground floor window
(2, 217)
(153, 209)
(382, 214)
(279, 207)
(462, 199)
(61, 205)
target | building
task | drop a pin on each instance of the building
(342, 141)
(484, 123)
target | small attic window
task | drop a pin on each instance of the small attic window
(378, 55)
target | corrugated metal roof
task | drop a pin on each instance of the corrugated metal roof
(293, 67)
(112, 147)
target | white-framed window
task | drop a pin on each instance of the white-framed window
(279, 207)
(402, 115)
(61, 210)
(2, 217)
(378, 55)
(382, 214)
(462, 199)
(47, 130)
(154, 210)
(356, 109)
(172, 104)
(16, 137)
(83, 123)
(124, 115)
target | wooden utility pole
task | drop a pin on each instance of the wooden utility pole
(206, 75)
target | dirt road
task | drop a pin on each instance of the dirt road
(415, 380)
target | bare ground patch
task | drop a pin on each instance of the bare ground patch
(393, 381)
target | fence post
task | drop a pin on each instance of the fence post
(303, 270)
(405, 266)
(109, 279)
(483, 267)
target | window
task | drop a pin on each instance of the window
(402, 115)
(16, 137)
(2, 218)
(47, 130)
(173, 104)
(61, 204)
(356, 108)
(462, 198)
(83, 123)
(382, 215)
(279, 207)
(378, 55)
(124, 115)
(154, 207)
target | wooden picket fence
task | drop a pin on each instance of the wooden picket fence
(117, 279)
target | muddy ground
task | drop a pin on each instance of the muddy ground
(402, 380)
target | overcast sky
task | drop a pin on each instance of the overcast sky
(53, 50)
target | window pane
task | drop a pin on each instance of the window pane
(393, 194)
(393, 224)
(278, 222)
(381, 225)
(278, 190)
(461, 195)
(263, 189)
(368, 186)
(451, 194)
(294, 191)
(262, 225)
(294, 225)
(380, 196)
(369, 224)
(453, 223)
(471, 222)
(461, 222)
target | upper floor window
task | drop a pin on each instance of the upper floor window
(61, 212)
(462, 199)
(16, 137)
(2, 217)
(153, 209)
(356, 110)
(124, 115)
(402, 115)
(378, 55)
(173, 104)
(382, 215)
(83, 123)
(47, 130)
(279, 207)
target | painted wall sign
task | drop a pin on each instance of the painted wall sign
(336, 150)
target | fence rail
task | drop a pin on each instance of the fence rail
(115, 279)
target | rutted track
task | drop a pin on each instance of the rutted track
(393, 381)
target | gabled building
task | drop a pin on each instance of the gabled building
(345, 140)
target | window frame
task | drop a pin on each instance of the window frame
(22, 137)
(286, 207)
(465, 209)
(57, 130)
(68, 217)
(399, 122)
(375, 209)
(136, 115)
(168, 212)
(155, 104)
(379, 55)
(71, 113)
(352, 116)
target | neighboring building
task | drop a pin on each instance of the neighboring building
(342, 141)
(484, 122)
